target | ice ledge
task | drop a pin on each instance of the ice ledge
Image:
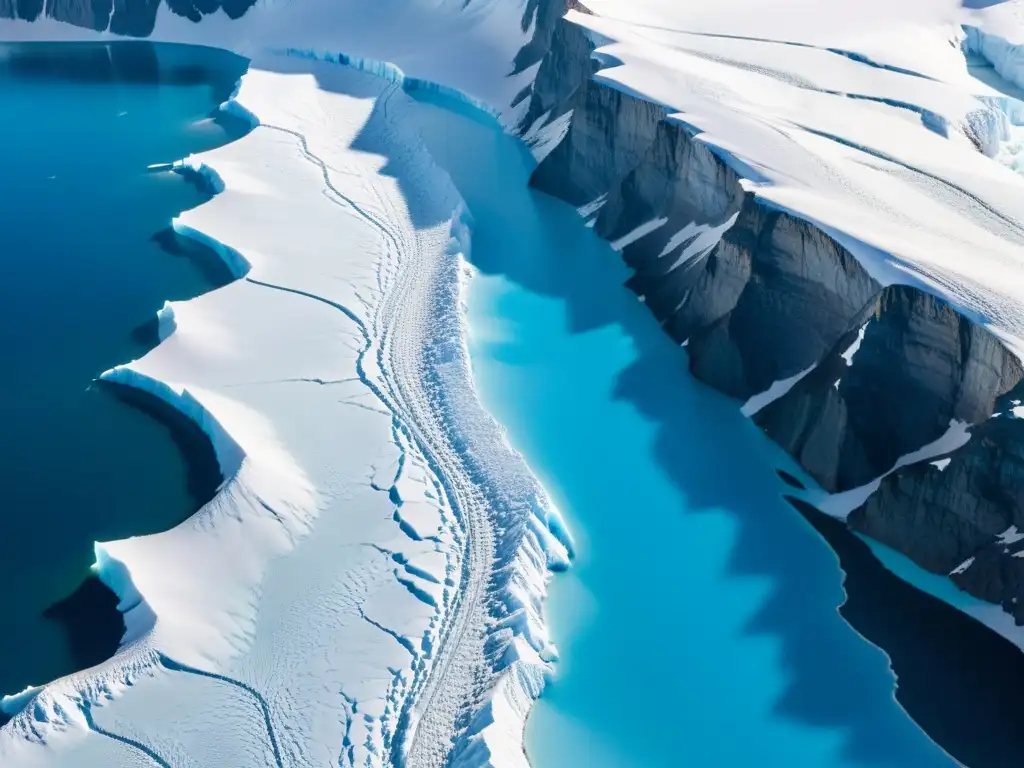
(263, 508)
(393, 74)
(1005, 57)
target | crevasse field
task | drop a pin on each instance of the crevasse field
(402, 391)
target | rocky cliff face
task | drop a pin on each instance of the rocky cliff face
(908, 367)
(757, 294)
(132, 18)
(760, 296)
(960, 514)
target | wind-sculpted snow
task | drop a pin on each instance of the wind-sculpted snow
(365, 588)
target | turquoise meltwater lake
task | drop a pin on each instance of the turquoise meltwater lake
(87, 258)
(699, 625)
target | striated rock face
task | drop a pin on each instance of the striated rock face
(909, 365)
(760, 296)
(757, 294)
(608, 136)
(132, 18)
(565, 67)
(765, 303)
(960, 515)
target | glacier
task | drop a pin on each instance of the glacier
(332, 377)
(418, 543)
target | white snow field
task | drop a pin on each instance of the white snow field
(366, 587)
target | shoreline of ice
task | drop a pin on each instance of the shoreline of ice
(175, 622)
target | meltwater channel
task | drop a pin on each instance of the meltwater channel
(700, 623)
(88, 258)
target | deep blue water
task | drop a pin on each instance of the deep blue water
(699, 624)
(87, 259)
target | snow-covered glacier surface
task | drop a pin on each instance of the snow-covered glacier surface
(365, 586)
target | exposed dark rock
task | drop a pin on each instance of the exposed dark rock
(92, 14)
(29, 10)
(132, 18)
(943, 517)
(779, 295)
(544, 16)
(186, 8)
(564, 69)
(236, 9)
(609, 134)
(763, 304)
(21, 9)
(195, 10)
(790, 480)
(921, 365)
(774, 297)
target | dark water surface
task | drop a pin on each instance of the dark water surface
(86, 260)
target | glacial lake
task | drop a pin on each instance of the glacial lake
(87, 259)
(700, 624)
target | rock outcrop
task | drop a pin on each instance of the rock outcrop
(908, 367)
(960, 514)
(132, 18)
(757, 294)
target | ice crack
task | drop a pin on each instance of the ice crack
(325, 171)
(137, 745)
(400, 639)
(176, 666)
